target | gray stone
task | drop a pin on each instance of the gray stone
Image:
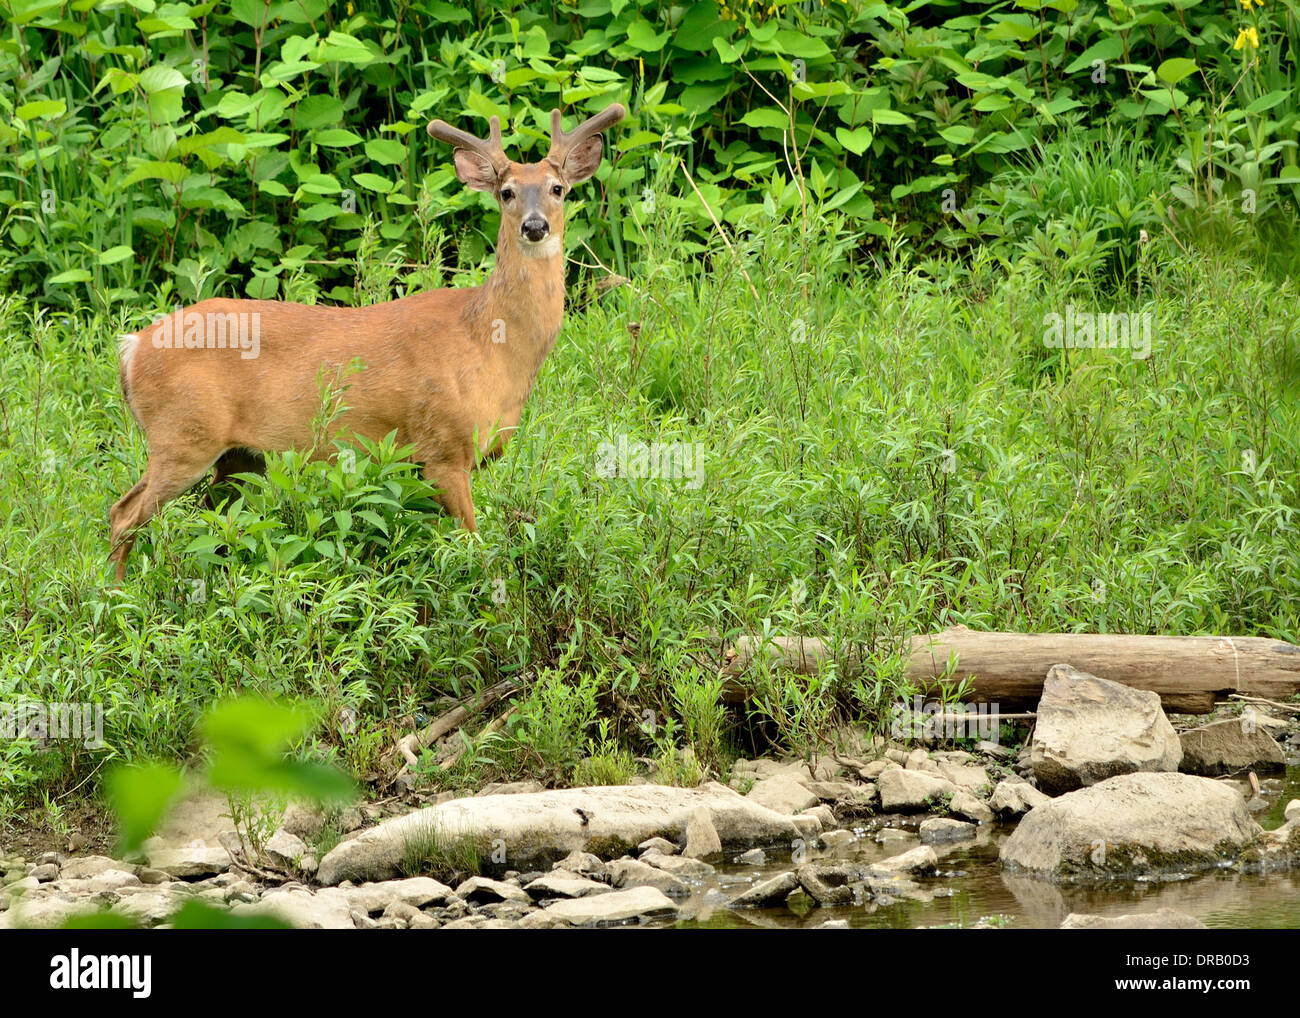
(1013, 798)
(940, 830)
(701, 837)
(45, 873)
(541, 827)
(285, 850)
(1225, 747)
(583, 864)
(327, 909)
(963, 804)
(754, 857)
(783, 794)
(1161, 919)
(194, 859)
(767, 893)
(625, 873)
(484, 889)
(614, 907)
(657, 845)
(678, 866)
(89, 865)
(908, 791)
(919, 860)
(1089, 729)
(563, 885)
(418, 892)
(1132, 824)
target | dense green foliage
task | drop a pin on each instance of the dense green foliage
(878, 435)
(265, 147)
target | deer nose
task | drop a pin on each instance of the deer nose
(535, 228)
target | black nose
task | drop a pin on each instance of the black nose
(535, 229)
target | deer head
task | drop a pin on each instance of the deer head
(530, 195)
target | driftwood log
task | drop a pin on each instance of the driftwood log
(1189, 672)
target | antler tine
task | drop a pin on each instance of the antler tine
(490, 149)
(562, 143)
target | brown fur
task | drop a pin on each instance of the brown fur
(431, 370)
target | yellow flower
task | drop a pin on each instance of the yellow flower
(350, 6)
(1247, 37)
(1245, 4)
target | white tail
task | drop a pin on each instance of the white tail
(448, 370)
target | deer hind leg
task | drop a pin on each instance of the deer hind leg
(163, 480)
(234, 461)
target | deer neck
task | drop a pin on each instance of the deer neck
(519, 309)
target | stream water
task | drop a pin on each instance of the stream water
(971, 890)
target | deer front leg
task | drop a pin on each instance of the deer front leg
(452, 480)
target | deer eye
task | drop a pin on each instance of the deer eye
(558, 191)
(507, 194)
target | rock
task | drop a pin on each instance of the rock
(701, 837)
(995, 750)
(767, 893)
(614, 907)
(327, 909)
(1012, 798)
(940, 830)
(835, 840)
(1293, 810)
(807, 825)
(1161, 919)
(511, 788)
(782, 794)
(195, 859)
(285, 850)
(149, 875)
(104, 880)
(919, 861)
(51, 859)
(658, 845)
(89, 865)
(874, 769)
(963, 804)
(624, 873)
(45, 873)
(834, 791)
(302, 820)
(754, 857)
(584, 864)
(540, 827)
(1228, 746)
(834, 924)
(150, 905)
(417, 892)
(555, 885)
(832, 883)
(42, 913)
(824, 816)
(906, 791)
(965, 777)
(678, 866)
(483, 889)
(1090, 729)
(1132, 824)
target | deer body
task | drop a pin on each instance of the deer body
(448, 370)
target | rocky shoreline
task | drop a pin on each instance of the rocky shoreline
(1105, 790)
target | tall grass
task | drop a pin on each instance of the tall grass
(880, 454)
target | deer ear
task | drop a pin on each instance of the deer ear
(474, 171)
(582, 161)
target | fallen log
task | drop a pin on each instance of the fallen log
(410, 745)
(1189, 672)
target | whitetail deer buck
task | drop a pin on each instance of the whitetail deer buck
(448, 370)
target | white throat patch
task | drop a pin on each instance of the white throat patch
(542, 249)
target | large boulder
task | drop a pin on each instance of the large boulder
(1090, 729)
(614, 907)
(1225, 747)
(532, 830)
(1131, 825)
